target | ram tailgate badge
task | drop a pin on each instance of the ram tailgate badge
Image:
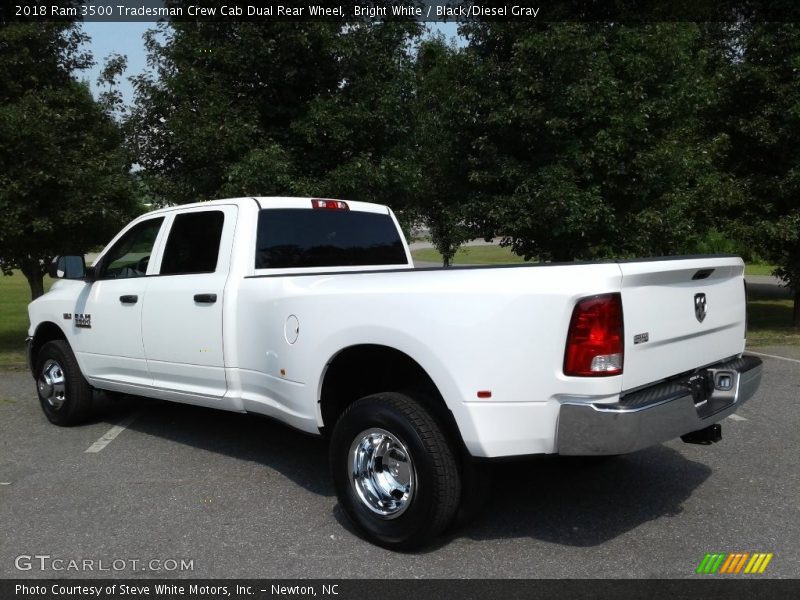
(700, 307)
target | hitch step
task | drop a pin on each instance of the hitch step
(707, 436)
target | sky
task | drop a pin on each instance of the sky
(126, 38)
(119, 38)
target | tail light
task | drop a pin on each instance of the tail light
(595, 342)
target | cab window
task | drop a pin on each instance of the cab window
(193, 243)
(130, 256)
(292, 238)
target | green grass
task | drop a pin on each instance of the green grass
(769, 319)
(14, 297)
(759, 269)
(769, 323)
(471, 255)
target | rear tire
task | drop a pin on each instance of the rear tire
(64, 394)
(394, 471)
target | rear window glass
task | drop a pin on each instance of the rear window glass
(193, 243)
(292, 238)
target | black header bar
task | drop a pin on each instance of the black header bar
(460, 11)
(709, 588)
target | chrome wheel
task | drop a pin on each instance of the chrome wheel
(383, 474)
(394, 471)
(52, 385)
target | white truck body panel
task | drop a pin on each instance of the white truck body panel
(656, 298)
(501, 330)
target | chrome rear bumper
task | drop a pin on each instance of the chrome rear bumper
(659, 413)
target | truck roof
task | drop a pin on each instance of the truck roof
(265, 202)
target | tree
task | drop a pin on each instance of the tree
(444, 102)
(763, 120)
(288, 108)
(224, 94)
(594, 142)
(64, 175)
(353, 141)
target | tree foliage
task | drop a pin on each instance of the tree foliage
(288, 108)
(64, 176)
(444, 126)
(595, 142)
(762, 115)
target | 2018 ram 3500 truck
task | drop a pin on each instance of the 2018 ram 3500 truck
(310, 311)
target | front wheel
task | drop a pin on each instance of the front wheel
(394, 471)
(64, 394)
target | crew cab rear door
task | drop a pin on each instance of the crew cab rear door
(182, 313)
(679, 315)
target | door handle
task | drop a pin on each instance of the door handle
(130, 299)
(205, 298)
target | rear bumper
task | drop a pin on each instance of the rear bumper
(659, 413)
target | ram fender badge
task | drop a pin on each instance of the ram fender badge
(700, 307)
(83, 320)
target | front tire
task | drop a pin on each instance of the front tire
(64, 394)
(394, 471)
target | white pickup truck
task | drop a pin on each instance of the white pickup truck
(310, 311)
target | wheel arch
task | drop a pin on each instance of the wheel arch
(364, 369)
(46, 331)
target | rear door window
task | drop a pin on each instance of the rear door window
(296, 238)
(193, 243)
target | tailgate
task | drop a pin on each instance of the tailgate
(680, 314)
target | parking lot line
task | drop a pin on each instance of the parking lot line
(112, 433)
(794, 360)
(736, 417)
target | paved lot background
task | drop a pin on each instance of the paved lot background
(245, 497)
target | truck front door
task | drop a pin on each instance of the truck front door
(108, 315)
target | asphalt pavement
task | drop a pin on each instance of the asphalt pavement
(240, 496)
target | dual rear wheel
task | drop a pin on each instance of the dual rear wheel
(396, 473)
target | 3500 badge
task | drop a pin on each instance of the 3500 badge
(83, 320)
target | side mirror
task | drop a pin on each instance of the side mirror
(67, 267)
